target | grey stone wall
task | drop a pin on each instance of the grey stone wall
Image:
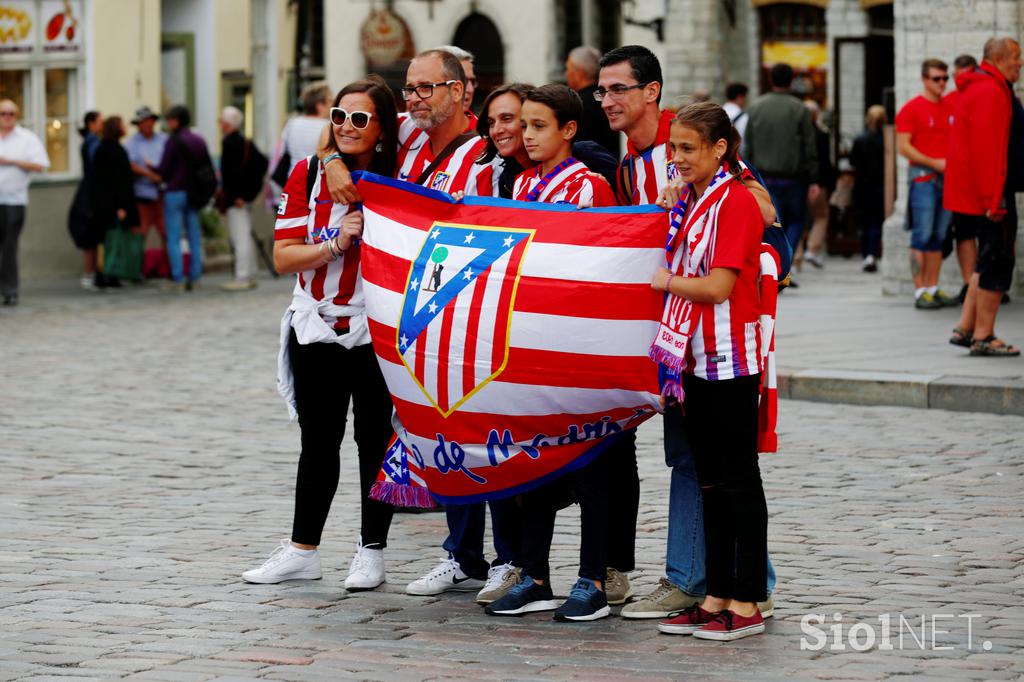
(943, 29)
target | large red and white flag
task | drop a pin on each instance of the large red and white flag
(513, 336)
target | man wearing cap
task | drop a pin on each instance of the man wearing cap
(145, 148)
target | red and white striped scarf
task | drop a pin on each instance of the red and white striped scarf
(688, 250)
(768, 279)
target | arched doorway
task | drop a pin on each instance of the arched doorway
(478, 34)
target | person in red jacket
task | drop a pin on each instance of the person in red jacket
(976, 190)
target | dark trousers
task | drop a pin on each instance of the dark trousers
(590, 486)
(11, 220)
(790, 198)
(623, 501)
(465, 541)
(997, 246)
(327, 376)
(721, 425)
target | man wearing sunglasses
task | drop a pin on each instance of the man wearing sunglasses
(21, 153)
(922, 131)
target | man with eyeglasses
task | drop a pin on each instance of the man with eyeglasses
(21, 153)
(629, 90)
(922, 131)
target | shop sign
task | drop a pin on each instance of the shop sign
(385, 39)
(17, 26)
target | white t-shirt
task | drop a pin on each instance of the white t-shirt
(20, 144)
(301, 136)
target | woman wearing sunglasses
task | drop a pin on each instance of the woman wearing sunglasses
(326, 358)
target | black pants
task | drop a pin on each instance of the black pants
(623, 501)
(721, 425)
(11, 220)
(996, 246)
(590, 486)
(327, 376)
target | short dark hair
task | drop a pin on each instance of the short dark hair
(87, 120)
(965, 61)
(644, 66)
(562, 100)
(929, 64)
(181, 114)
(451, 67)
(520, 90)
(781, 75)
(384, 162)
(312, 95)
(734, 90)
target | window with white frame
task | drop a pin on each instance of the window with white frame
(41, 59)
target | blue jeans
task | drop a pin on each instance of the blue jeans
(465, 541)
(790, 199)
(927, 220)
(685, 558)
(178, 215)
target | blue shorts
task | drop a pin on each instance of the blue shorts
(927, 220)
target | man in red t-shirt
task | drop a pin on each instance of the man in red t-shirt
(922, 132)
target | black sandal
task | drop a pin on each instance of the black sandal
(993, 347)
(961, 338)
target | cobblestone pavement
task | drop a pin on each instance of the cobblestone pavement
(147, 462)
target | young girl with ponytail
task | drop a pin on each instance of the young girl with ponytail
(710, 351)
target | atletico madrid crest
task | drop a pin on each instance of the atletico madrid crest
(456, 317)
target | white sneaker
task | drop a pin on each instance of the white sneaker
(366, 570)
(285, 563)
(815, 259)
(445, 577)
(500, 579)
(88, 283)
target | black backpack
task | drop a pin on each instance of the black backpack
(201, 178)
(254, 170)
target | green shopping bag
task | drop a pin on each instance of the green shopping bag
(122, 254)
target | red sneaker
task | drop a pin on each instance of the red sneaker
(687, 622)
(729, 625)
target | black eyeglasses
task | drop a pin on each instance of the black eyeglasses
(358, 119)
(8, 113)
(425, 91)
(471, 81)
(938, 79)
(617, 91)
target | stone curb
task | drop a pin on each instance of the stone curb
(938, 391)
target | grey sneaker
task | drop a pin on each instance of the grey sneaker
(766, 607)
(500, 579)
(616, 587)
(664, 601)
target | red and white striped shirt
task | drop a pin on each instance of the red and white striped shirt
(727, 341)
(573, 185)
(456, 173)
(316, 220)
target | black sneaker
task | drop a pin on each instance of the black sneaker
(526, 597)
(585, 602)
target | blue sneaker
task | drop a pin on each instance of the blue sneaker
(525, 597)
(585, 602)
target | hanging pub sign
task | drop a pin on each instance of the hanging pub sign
(17, 32)
(385, 39)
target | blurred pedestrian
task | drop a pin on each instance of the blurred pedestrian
(981, 182)
(581, 71)
(868, 159)
(735, 106)
(183, 154)
(21, 153)
(80, 215)
(301, 134)
(236, 154)
(922, 133)
(780, 143)
(113, 196)
(962, 235)
(820, 190)
(145, 149)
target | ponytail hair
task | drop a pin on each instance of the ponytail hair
(712, 124)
